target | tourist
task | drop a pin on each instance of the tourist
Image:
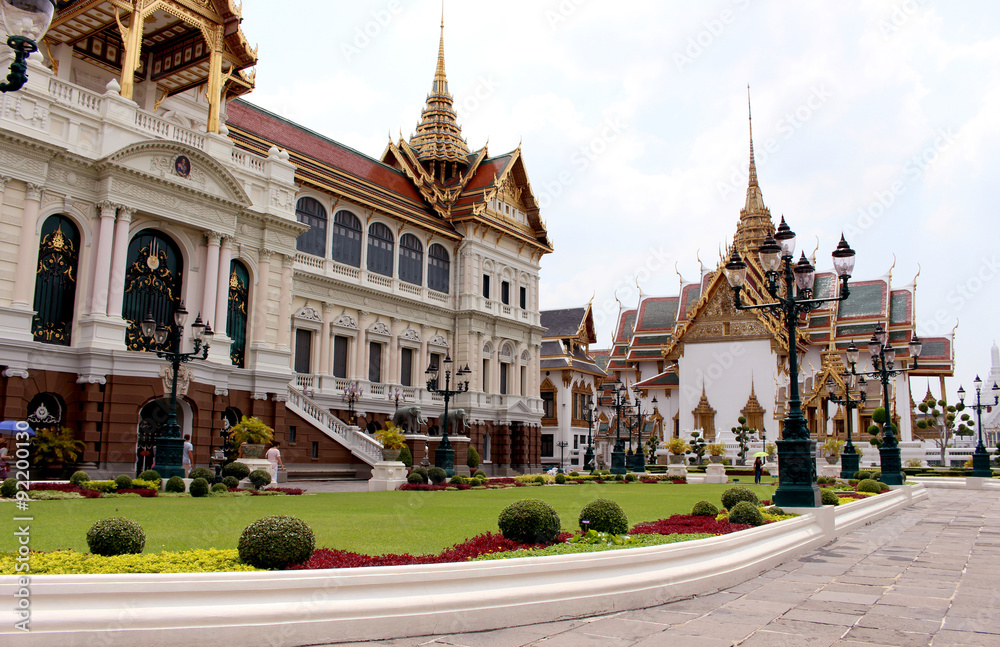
(273, 456)
(187, 455)
(758, 469)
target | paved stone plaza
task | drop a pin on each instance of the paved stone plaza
(924, 576)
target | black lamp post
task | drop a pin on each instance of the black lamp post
(444, 457)
(981, 458)
(883, 356)
(796, 450)
(849, 459)
(562, 444)
(639, 455)
(588, 456)
(352, 393)
(25, 22)
(618, 452)
(169, 445)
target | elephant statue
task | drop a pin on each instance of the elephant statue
(408, 418)
(457, 422)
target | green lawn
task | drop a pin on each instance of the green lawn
(372, 523)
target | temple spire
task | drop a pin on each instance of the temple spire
(753, 164)
(755, 218)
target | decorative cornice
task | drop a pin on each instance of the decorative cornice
(91, 379)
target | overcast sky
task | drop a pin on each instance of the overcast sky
(878, 118)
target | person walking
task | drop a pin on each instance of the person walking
(758, 469)
(187, 455)
(273, 456)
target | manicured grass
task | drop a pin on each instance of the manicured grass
(372, 523)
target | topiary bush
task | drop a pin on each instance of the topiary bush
(116, 536)
(630, 478)
(457, 480)
(236, 469)
(198, 487)
(436, 475)
(869, 485)
(480, 474)
(231, 482)
(415, 478)
(604, 515)
(405, 456)
(529, 521)
(259, 478)
(175, 484)
(219, 487)
(276, 542)
(561, 479)
(828, 497)
(123, 482)
(862, 475)
(734, 495)
(422, 472)
(540, 479)
(202, 473)
(704, 509)
(876, 475)
(746, 512)
(79, 477)
(151, 475)
(8, 489)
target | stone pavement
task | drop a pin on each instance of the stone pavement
(924, 576)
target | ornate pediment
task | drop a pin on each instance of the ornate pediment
(719, 319)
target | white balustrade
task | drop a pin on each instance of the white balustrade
(361, 444)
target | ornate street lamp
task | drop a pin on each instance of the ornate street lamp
(618, 402)
(588, 456)
(792, 289)
(981, 458)
(639, 455)
(883, 356)
(849, 459)
(562, 444)
(352, 393)
(444, 457)
(25, 22)
(169, 445)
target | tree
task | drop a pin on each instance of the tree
(744, 435)
(697, 446)
(940, 415)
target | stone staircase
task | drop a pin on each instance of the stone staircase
(360, 444)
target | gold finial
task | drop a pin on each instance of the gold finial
(753, 165)
(58, 241)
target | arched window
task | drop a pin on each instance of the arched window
(347, 239)
(236, 322)
(438, 268)
(380, 244)
(310, 212)
(153, 279)
(411, 259)
(55, 281)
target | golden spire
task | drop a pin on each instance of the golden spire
(438, 138)
(755, 218)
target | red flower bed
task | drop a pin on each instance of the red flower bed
(66, 487)
(849, 495)
(141, 491)
(685, 524)
(287, 490)
(501, 480)
(479, 545)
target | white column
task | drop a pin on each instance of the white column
(393, 350)
(102, 261)
(325, 365)
(27, 252)
(423, 362)
(360, 363)
(221, 316)
(260, 300)
(211, 280)
(119, 260)
(285, 304)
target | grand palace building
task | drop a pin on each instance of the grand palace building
(134, 179)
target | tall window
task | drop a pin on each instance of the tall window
(406, 366)
(347, 239)
(548, 404)
(524, 298)
(380, 245)
(340, 345)
(236, 322)
(152, 284)
(548, 447)
(55, 281)
(438, 268)
(505, 292)
(374, 362)
(303, 350)
(411, 259)
(310, 212)
(486, 286)
(504, 371)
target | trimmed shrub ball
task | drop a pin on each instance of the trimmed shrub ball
(415, 478)
(704, 509)
(480, 474)
(202, 473)
(260, 478)
(436, 475)
(231, 482)
(746, 512)
(150, 475)
(421, 472)
(276, 542)
(457, 480)
(630, 477)
(8, 489)
(869, 485)
(828, 497)
(604, 515)
(237, 469)
(734, 495)
(123, 482)
(219, 487)
(529, 521)
(79, 477)
(198, 487)
(560, 479)
(116, 536)
(862, 475)
(540, 479)
(175, 484)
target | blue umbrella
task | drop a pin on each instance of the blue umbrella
(11, 427)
